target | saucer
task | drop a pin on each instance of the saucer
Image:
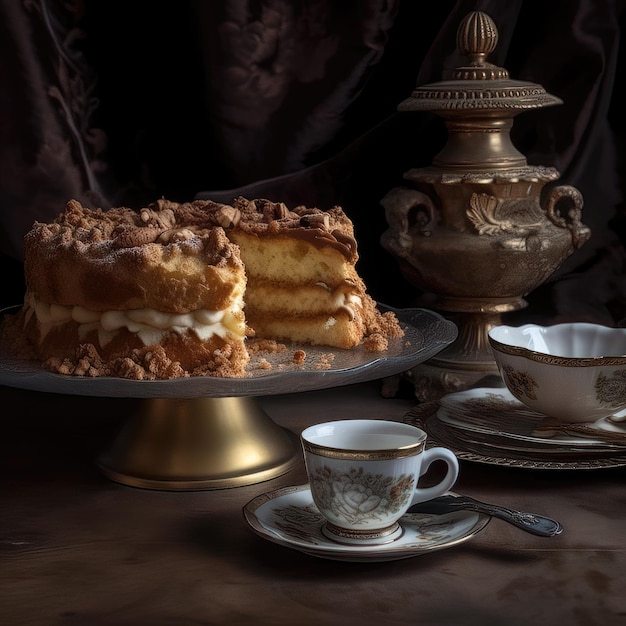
(289, 518)
(489, 425)
(496, 412)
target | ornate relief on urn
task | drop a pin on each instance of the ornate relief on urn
(479, 228)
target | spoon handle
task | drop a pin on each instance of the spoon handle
(530, 522)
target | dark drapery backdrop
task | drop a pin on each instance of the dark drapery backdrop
(120, 103)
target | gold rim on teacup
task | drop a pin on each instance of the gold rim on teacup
(364, 455)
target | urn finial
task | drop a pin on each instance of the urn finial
(477, 38)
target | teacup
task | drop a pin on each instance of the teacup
(364, 473)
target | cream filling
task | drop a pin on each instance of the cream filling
(148, 324)
(349, 302)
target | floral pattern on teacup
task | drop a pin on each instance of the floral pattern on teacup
(611, 390)
(358, 496)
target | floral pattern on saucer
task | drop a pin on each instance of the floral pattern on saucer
(289, 518)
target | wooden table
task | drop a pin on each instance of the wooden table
(79, 549)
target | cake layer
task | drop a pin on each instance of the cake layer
(70, 348)
(285, 298)
(106, 261)
(282, 256)
(336, 331)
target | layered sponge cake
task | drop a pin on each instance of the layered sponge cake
(180, 289)
(302, 281)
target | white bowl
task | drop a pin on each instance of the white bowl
(574, 372)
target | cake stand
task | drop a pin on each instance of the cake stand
(211, 433)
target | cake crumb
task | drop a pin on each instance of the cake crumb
(325, 361)
(266, 345)
(299, 357)
(376, 342)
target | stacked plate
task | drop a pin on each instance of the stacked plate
(490, 425)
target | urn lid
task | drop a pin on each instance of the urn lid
(478, 86)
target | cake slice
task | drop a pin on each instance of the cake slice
(303, 285)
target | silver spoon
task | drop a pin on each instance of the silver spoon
(530, 522)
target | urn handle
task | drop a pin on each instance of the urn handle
(564, 206)
(408, 212)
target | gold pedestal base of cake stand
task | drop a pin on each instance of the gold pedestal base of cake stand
(199, 443)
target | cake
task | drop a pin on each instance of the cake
(182, 289)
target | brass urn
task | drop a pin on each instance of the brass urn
(479, 228)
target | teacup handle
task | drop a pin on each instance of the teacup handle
(447, 482)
